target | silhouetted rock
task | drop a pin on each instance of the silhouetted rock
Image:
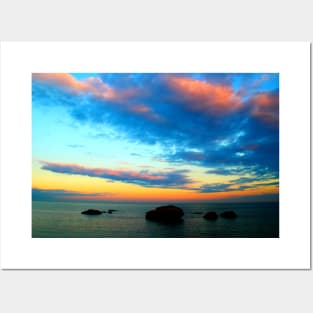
(210, 216)
(92, 212)
(111, 211)
(229, 214)
(168, 213)
(196, 213)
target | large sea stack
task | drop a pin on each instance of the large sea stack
(167, 214)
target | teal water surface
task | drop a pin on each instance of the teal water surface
(64, 220)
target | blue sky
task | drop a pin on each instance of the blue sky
(190, 136)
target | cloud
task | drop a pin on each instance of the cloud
(168, 179)
(204, 96)
(146, 112)
(190, 156)
(251, 177)
(135, 154)
(233, 185)
(199, 119)
(92, 86)
(92, 100)
(266, 107)
(75, 146)
(245, 180)
(61, 194)
(207, 188)
(62, 80)
(259, 81)
(227, 171)
(258, 173)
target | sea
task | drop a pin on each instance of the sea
(64, 220)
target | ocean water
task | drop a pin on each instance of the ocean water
(64, 220)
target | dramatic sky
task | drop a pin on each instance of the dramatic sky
(164, 137)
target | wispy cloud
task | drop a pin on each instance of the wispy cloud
(146, 112)
(234, 185)
(61, 194)
(258, 173)
(207, 188)
(74, 146)
(165, 179)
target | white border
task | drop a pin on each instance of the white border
(290, 251)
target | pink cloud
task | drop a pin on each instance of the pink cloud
(169, 179)
(145, 111)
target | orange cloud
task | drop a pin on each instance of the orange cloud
(266, 107)
(60, 79)
(140, 108)
(145, 111)
(204, 96)
(93, 86)
(265, 99)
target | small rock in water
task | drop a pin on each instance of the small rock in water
(92, 212)
(210, 216)
(111, 211)
(229, 214)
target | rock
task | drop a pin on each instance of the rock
(229, 214)
(196, 213)
(168, 213)
(92, 212)
(111, 211)
(210, 216)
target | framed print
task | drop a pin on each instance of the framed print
(155, 155)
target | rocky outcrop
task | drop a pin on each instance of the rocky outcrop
(167, 214)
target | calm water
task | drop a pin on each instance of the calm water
(64, 219)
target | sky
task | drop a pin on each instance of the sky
(155, 136)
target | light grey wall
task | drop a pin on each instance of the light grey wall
(156, 291)
(156, 20)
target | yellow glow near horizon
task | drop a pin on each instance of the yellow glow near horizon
(126, 191)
